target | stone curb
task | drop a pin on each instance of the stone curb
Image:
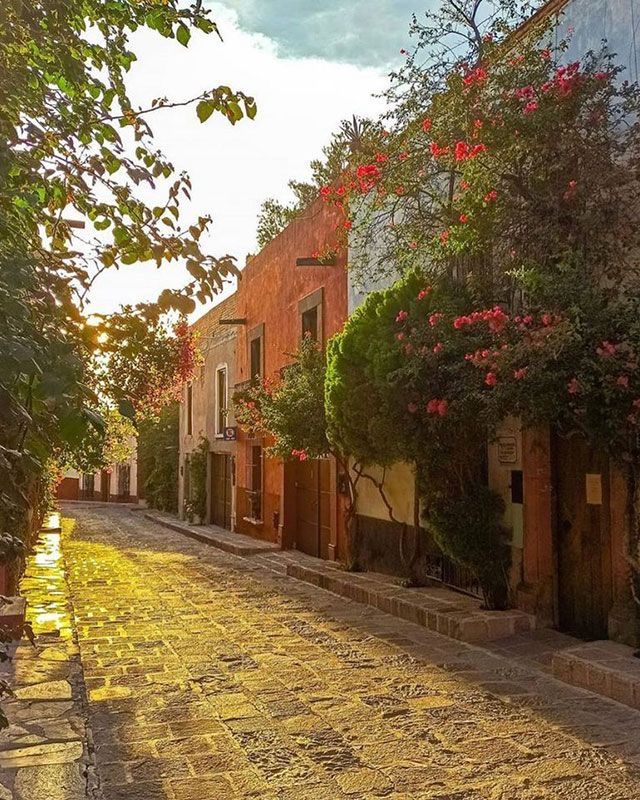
(604, 667)
(210, 536)
(468, 625)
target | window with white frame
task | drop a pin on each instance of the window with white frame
(221, 399)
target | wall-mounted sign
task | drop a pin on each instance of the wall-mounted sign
(593, 487)
(230, 433)
(507, 449)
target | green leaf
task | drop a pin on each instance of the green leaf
(183, 34)
(204, 110)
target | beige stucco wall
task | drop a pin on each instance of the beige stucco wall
(399, 488)
(217, 344)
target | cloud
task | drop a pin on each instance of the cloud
(362, 32)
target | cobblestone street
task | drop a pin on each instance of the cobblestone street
(209, 676)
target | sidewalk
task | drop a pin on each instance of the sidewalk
(45, 751)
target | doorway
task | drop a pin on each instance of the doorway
(221, 490)
(312, 481)
(584, 568)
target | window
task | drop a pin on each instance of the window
(256, 358)
(310, 310)
(310, 323)
(189, 410)
(221, 400)
(88, 485)
(256, 354)
(255, 482)
(124, 480)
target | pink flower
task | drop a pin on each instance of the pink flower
(623, 381)
(606, 349)
(547, 319)
(437, 406)
(400, 336)
(412, 408)
(403, 156)
(381, 158)
(573, 387)
(489, 196)
(444, 237)
(402, 316)
(435, 318)
(413, 244)
(520, 373)
(423, 293)
(438, 347)
(464, 218)
(530, 107)
(490, 379)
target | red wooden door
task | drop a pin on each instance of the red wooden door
(312, 481)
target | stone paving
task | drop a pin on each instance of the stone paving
(211, 677)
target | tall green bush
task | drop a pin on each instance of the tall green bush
(158, 455)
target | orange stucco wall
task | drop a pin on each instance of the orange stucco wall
(268, 293)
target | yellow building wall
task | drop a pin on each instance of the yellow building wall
(399, 488)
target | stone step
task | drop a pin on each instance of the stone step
(606, 668)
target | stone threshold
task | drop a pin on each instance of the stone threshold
(604, 667)
(236, 543)
(435, 607)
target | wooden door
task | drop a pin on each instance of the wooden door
(313, 507)
(105, 485)
(221, 490)
(585, 580)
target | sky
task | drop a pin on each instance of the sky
(308, 64)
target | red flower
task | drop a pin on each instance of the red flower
(426, 125)
(435, 318)
(464, 185)
(573, 387)
(464, 218)
(437, 151)
(520, 373)
(325, 191)
(531, 106)
(347, 224)
(461, 151)
(437, 406)
(403, 156)
(570, 191)
(401, 316)
(381, 158)
(423, 293)
(477, 75)
(489, 196)
(490, 379)
(444, 237)
(399, 190)
(477, 149)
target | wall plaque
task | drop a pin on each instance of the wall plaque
(230, 434)
(507, 449)
(593, 486)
